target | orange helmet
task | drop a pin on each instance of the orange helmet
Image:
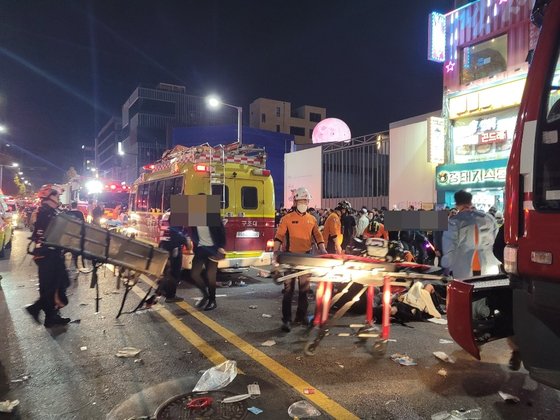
(49, 189)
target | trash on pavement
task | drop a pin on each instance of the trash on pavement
(266, 316)
(253, 306)
(473, 414)
(75, 321)
(8, 406)
(444, 341)
(302, 409)
(217, 377)
(440, 321)
(340, 365)
(442, 372)
(444, 357)
(268, 343)
(236, 398)
(21, 378)
(200, 403)
(83, 348)
(254, 390)
(128, 352)
(308, 391)
(403, 359)
(140, 361)
(512, 399)
(255, 410)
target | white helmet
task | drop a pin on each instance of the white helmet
(301, 194)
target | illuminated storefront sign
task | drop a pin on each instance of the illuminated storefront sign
(485, 100)
(436, 140)
(492, 137)
(471, 175)
(436, 37)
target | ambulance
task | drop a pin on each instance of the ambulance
(236, 173)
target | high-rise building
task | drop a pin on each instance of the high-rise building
(107, 161)
(149, 115)
(278, 116)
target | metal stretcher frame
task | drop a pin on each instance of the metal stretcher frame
(367, 272)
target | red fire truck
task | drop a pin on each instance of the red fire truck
(526, 302)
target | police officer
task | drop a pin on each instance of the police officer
(296, 233)
(53, 278)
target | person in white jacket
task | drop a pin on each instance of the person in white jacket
(363, 222)
(468, 231)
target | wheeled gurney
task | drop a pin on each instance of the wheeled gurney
(351, 270)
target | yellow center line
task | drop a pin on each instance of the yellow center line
(209, 352)
(293, 380)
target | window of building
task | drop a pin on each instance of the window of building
(223, 192)
(484, 60)
(314, 117)
(249, 198)
(263, 117)
(277, 111)
(297, 131)
(277, 128)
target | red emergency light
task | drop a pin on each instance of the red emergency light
(149, 167)
(113, 187)
(201, 168)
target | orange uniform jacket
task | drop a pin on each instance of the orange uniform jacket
(297, 232)
(381, 233)
(333, 228)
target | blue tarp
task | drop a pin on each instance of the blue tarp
(275, 144)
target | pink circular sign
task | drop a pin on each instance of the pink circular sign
(329, 130)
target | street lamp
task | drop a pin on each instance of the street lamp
(13, 165)
(3, 129)
(214, 102)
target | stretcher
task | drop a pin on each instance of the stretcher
(349, 270)
(101, 246)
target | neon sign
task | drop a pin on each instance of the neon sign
(436, 37)
(480, 175)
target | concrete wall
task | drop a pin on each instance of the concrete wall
(303, 169)
(411, 177)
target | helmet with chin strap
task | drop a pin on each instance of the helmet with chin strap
(301, 194)
(48, 190)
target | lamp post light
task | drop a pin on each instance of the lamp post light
(13, 165)
(214, 102)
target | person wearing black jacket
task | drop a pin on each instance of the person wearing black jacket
(53, 278)
(172, 243)
(208, 243)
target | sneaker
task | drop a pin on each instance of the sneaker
(55, 321)
(34, 312)
(226, 283)
(211, 305)
(174, 299)
(515, 360)
(286, 327)
(202, 302)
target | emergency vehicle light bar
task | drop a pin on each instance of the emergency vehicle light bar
(261, 172)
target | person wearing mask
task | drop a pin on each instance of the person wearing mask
(53, 278)
(297, 232)
(470, 231)
(208, 243)
(363, 222)
(332, 232)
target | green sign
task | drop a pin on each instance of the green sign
(472, 175)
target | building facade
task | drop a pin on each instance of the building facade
(278, 116)
(107, 160)
(149, 116)
(483, 46)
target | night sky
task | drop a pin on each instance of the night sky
(67, 66)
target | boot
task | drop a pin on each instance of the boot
(211, 305)
(34, 311)
(56, 320)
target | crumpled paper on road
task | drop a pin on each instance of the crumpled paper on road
(8, 406)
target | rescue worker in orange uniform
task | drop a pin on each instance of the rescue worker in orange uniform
(376, 230)
(332, 232)
(296, 233)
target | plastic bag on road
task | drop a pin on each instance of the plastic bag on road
(302, 409)
(8, 406)
(473, 414)
(217, 377)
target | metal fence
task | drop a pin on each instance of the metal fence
(357, 171)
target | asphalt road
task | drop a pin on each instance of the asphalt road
(73, 372)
